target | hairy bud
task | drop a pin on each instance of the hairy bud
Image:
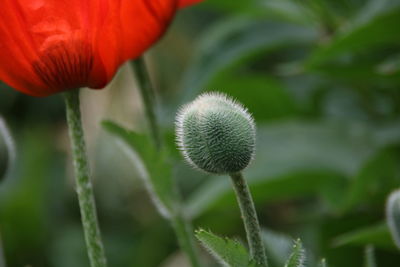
(216, 134)
(393, 216)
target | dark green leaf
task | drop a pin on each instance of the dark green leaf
(379, 175)
(376, 235)
(360, 36)
(232, 41)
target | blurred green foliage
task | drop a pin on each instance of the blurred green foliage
(322, 80)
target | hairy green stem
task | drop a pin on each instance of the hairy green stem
(84, 186)
(250, 219)
(184, 233)
(148, 96)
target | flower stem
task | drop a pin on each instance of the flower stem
(84, 186)
(182, 227)
(250, 219)
(183, 231)
(148, 96)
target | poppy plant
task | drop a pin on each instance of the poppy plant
(50, 46)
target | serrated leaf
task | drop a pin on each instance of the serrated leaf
(228, 252)
(297, 258)
(151, 164)
(376, 235)
(393, 216)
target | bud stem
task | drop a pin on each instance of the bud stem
(84, 186)
(249, 217)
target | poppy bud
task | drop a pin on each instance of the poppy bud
(393, 216)
(216, 134)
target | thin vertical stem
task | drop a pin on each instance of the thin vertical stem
(183, 231)
(84, 186)
(182, 227)
(250, 219)
(148, 97)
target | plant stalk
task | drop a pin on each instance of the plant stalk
(148, 96)
(183, 231)
(84, 186)
(182, 227)
(250, 220)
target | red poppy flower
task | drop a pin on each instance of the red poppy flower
(49, 46)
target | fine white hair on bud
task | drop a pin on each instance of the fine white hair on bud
(216, 134)
(393, 216)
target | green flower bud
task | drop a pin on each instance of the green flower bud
(216, 134)
(393, 216)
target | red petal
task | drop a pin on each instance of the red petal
(47, 46)
(17, 50)
(130, 27)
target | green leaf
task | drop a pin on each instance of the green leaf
(34, 192)
(227, 251)
(369, 257)
(266, 97)
(393, 216)
(288, 10)
(360, 36)
(152, 166)
(376, 179)
(234, 41)
(373, 9)
(297, 258)
(376, 235)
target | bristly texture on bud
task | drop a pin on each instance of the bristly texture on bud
(216, 134)
(393, 216)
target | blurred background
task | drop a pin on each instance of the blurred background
(322, 79)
